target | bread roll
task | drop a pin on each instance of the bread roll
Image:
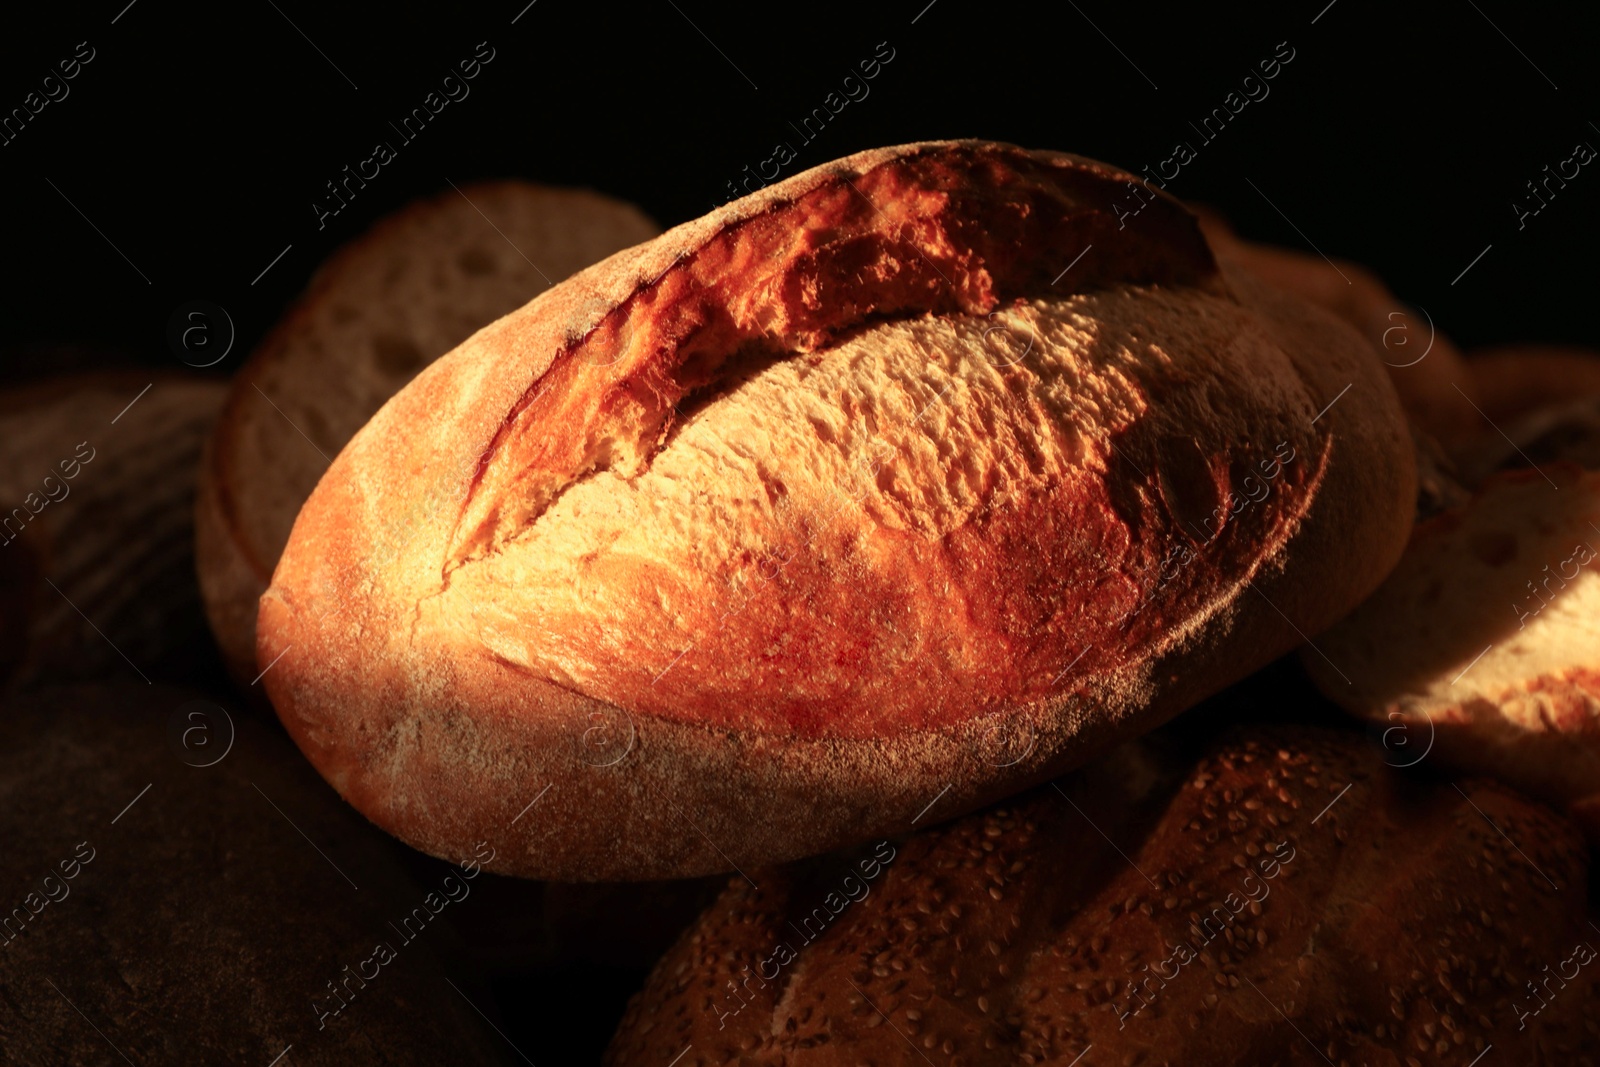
(179, 888)
(1294, 902)
(97, 476)
(376, 313)
(1426, 367)
(1482, 650)
(880, 490)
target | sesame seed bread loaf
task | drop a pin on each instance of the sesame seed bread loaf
(375, 314)
(1294, 902)
(911, 480)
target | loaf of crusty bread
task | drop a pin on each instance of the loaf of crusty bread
(376, 313)
(1295, 902)
(891, 489)
(97, 490)
(1426, 367)
(1482, 650)
(179, 887)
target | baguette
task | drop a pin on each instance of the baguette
(877, 491)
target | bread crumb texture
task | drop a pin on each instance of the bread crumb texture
(1485, 641)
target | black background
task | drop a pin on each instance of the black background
(199, 136)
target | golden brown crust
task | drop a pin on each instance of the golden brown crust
(911, 232)
(411, 666)
(1293, 900)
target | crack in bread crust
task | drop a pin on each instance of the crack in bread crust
(952, 228)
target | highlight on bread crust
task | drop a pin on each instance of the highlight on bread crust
(911, 478)
(382, 308)
(1287, 899)
(1482, 649)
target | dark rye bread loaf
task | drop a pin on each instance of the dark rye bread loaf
(97, 487)
(381, 309)
(879, 487)
(170, 911)
(1295, 901)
